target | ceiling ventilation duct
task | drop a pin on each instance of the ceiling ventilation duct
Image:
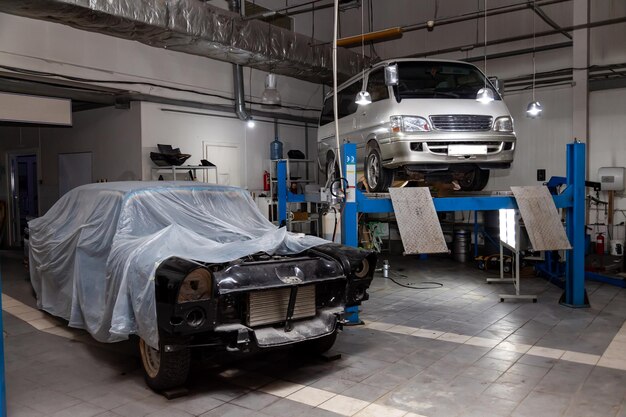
(198, 28)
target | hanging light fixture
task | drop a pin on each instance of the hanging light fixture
(251, 122)
(363, 98)
(534, 108)
(485, 94)
(271, 96)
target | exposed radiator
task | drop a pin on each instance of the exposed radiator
(267, 307)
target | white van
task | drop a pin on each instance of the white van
(424, 123)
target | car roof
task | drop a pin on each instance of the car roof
(126, 187)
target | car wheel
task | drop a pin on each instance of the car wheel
(475, 180)
(378, 178)
(164, 370)
(318, 346)
(332, 173)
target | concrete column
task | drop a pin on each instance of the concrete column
(581, 60)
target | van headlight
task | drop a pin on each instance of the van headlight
(503, 124)
(195, 287)
(409, 124)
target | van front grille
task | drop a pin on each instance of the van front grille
(270, 306)
(461, 122)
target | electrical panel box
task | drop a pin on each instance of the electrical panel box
(611, 178)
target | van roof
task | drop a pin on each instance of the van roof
(388, 61)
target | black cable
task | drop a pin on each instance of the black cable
(333, 183)
(148, 84)
(335, 228)
(433, 285)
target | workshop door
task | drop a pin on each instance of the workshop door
(227, 159)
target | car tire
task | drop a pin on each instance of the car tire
(318, 346)
(332, 170)
(377, 177)
(332, 174)
(475, 180)
(164, 370)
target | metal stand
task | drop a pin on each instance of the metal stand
(502, 280)
(516, 273)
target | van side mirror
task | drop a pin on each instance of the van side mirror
(497, 83)
(391, 75)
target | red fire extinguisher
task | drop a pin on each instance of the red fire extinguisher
(266, 181)
(600, 244)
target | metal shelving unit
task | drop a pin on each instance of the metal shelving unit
(300, 179)
(173, 170)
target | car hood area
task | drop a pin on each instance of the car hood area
(93, 255)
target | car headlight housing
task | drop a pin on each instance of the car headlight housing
(409, 124)
(503, 124)
(196, 286)
(363, 269)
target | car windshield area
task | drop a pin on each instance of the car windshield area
(440, 80)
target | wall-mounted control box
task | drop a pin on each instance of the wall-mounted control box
(611, 178)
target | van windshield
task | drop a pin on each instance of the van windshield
(440, 80)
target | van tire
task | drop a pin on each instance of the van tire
(377, 177)
(476, 180)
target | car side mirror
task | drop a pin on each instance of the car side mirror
(391, 75)
(497, 83)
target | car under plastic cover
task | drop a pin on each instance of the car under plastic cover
(94, 254)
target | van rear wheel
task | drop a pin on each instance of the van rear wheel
(332, 174)
(378, 178)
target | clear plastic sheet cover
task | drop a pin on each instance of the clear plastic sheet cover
(93, 255)
(199, 28)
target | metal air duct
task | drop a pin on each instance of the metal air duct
(198, 28)
(238, 91)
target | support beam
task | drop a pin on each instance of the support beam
(543, 16)
(581, 72)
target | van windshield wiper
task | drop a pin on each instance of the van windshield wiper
(427, 93)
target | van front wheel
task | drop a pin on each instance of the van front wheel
(378, 178)
(475, 180)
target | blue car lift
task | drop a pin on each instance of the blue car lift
(572, 199)
(3, 397)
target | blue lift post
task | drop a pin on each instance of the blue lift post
(572, 199)
(285, 197)
(3, 397)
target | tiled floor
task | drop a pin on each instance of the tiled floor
(451, 351)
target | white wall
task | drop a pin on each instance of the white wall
(112, 136)
(44, 46)
(190, 131)
(608, 145)
(540, 142)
